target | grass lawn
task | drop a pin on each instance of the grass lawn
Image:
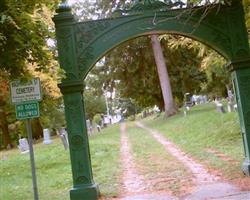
(206, 135)
(160, 170)
(54, 171)
(210, 137)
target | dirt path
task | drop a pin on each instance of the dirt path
(201, 175)
(133, 182)
(208, 186)
(135, 187)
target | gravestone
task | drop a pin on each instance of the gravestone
(235, 107)
(46, 136)
(230, 106)
(219, 107)
(89, 127)
(98, 127)
(23, 145)
(64, 137)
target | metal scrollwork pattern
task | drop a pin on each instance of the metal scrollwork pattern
(85, 57)
(73, 109)
(65, 52)
(88, 31)
(77, 142)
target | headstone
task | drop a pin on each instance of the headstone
(219, 107)
(235, 107)
(186, 109)
(185, 113)
(23, 145)
(230, 98)
(64, 137)
(98, 127)
(230, 106)
(46, 136)
(106, 121)
(89, 126)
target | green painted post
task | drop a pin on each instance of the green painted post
(83, 184)
(241, 80)
(84, 187)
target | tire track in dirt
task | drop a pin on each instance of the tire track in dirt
(132, 181)
(135, 187)
(208, 186)
(201, 175)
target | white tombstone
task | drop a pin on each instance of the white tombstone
(235, 107)
(23, 145)
(230, 107)
(46, 136)
(64, 137)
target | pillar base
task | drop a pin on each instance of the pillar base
(90, 192)
(246, 167)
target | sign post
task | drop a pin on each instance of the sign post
(32, 159)
(25, 96)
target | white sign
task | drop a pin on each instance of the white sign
(25, 91)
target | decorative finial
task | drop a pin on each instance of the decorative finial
(63, 7)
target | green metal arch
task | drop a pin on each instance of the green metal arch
(81, 45)
(217, 30)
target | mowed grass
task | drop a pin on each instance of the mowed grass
(206, 135)
(53, 168)
(160, 170)
(202, 134)
(105, 153)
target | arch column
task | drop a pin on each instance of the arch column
(241, 79)
(83, 183)
(72, 87)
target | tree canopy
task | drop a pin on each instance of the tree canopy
(25, 28)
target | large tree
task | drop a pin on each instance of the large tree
(169, 104)
(130, 68)
(131, 77)
(24, 30)
(25, 27)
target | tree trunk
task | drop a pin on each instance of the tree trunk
(4, 127)
(169, 104)
(37, 129)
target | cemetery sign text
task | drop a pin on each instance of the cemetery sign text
(25, 91)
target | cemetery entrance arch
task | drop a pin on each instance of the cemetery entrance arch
(82, 44)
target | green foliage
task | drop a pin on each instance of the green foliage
(25, 27)
(246, 5)
(52, 115)
(128, 107)
(183, 61)
(130, 67)
(93, 104)
(23, 34)
(218, 77)
(97, 119)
